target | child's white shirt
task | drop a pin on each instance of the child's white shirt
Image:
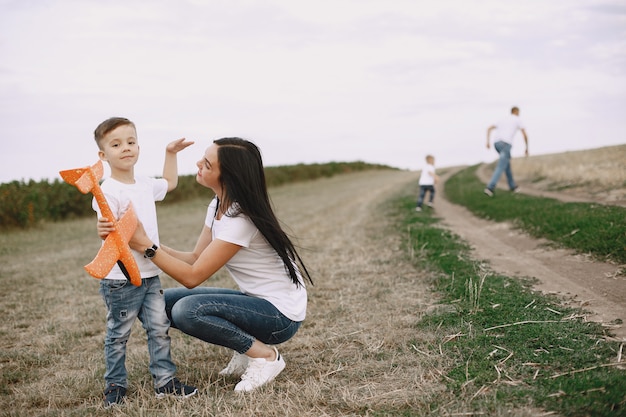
(428, 175)
(143, 194)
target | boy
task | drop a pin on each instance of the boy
(117, 142)
(427, 182)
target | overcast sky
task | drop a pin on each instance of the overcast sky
(381, 81)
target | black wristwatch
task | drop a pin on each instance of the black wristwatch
(150, 252)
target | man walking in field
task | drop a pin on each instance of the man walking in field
(503, 142)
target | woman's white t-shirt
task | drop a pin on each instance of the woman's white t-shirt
(256, 267)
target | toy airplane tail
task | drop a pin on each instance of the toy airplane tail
(85, 179)
(115, 248)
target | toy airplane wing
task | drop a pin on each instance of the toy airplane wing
(115, 248)
(127, 224)
(105, 260)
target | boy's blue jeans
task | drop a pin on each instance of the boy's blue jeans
(227, 317)
(423, 190)
(503, 166)
(125, 303)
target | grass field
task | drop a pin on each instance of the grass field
(395, 327)
(596, 229)
(344, 361)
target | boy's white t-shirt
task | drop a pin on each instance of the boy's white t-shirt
(256, 267)
(427, 177)
(143, 194)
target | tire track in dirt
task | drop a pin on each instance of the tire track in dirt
(581, 282)
(335, 215)
(368, 296)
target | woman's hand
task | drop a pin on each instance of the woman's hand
(104, 227)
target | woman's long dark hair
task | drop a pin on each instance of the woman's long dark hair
(243, 183)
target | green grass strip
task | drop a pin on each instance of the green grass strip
(596, 229)
(509, 345)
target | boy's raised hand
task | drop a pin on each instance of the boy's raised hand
(178, 145)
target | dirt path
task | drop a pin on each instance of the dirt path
(348, 202)
(581, 282)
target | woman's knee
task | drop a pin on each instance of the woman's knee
(172, 295)
(180, 314)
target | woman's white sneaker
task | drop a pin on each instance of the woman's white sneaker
(259, 372)
(237, 365)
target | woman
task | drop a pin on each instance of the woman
(241, 233)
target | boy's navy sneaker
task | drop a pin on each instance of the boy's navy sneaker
(176, 388)
(114, 395)
(488, 191)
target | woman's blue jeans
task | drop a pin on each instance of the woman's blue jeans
(125, 303)
(227, 317)
(503, 166)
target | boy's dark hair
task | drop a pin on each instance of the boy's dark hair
(108, 125)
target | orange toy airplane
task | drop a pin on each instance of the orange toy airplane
(115, 247)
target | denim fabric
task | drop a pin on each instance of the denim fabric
(423, 190)
(503, 166)
(125, 303)
(227, 317)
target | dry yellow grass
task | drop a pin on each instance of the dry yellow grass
(597, 173)
(358, 350)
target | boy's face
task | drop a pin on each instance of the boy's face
(120, 148)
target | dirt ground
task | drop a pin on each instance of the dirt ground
(581, 282)
(597, 287)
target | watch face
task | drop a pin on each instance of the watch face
(150, 252)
